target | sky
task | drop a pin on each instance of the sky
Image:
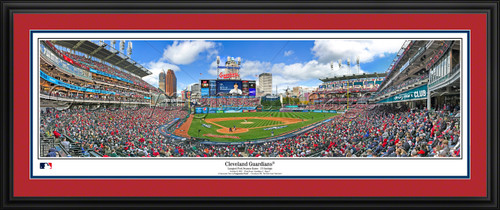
(291, 62)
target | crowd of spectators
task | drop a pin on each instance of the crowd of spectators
(110, 70)
(122, 132)
(380, 132)
(375, 131)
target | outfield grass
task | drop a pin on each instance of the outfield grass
(257, 133)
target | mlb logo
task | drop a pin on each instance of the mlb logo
(43, 165)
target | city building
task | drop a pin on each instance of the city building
(161, 82)
(196, 91)
(171, 84)
(265, 86)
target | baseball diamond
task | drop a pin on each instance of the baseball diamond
(250, 125)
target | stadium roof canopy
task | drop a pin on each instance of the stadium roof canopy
(105, 53)
(354, 76)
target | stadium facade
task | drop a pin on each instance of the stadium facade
(425, 73)
(90, 73)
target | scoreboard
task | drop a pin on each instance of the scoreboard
(229, 88)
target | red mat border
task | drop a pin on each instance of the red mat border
(474, 187)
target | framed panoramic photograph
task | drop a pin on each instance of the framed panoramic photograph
(250, 104)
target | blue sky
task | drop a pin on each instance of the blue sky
(292, 62)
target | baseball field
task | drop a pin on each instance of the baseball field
(243, 126)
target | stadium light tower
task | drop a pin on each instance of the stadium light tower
(357, 63)
(122, 46)
(129, 49)
(113, 43)
(218, 62)
(348, 81)
(349, 72)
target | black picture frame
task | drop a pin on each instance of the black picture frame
(9, 8)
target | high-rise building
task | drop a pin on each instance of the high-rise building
(196, 91)
(161, 82)
(171, 84)
(265, 86)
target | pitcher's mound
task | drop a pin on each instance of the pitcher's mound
(246, 122)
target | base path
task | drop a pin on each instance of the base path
(183, 130)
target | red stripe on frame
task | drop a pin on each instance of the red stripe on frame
(476, 186)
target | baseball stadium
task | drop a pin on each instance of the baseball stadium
(95, 101)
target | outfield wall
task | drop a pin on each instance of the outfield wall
(213, 110)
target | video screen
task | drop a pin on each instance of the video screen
(235, 88)
(231, 87)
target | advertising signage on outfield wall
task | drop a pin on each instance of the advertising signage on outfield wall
(415, 93)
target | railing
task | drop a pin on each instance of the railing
(51, 58)
(455, 69)
(453, 73)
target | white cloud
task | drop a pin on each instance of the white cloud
(367, 50)
(252, 68)
(310, 70)
(213, 68)
(156, 68)
(186, 52)
(288, 53)
(298, 74)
